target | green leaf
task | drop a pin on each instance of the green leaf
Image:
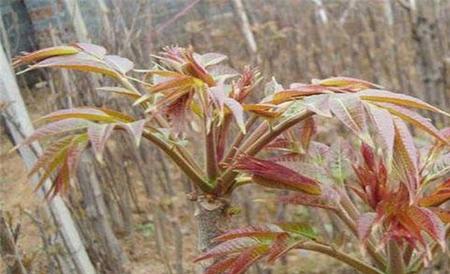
(338, 161)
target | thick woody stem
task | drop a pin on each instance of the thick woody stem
(212, 221)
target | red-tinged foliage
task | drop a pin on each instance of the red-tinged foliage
(98, 135)
(384, 125)
(350, 111)
(247, 258)
(221, 266)
(364, 225)
(404, 217)
(437, 197)
(264, 110)
(415, 119)
(61, 158)
(240, 248)
(273, 175)
(384, 96)
(295, 140)
(229, 247)
(245, 84)
(55, 128)
(28, 58)
(186, 88)
(372, 178)
(298, 93)
(328, 199)
(405, 157)
(261, 231)
(348, 83)
(92, 114)
(81, 56)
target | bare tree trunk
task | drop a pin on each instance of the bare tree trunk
(77, 20)
(8, 248)
(19, 125)
(212, 221)
(97, 213)
(428, 53)
(246, 29)
(321, 12)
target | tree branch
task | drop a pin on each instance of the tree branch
(338, 255)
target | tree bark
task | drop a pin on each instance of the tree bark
(212, 220)
(97, 213)
(246, 29)
(8, 249)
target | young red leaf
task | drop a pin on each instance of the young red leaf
(50, 153)
(247, 258)
(414, 119)
(406, 157)
(438, 197)
(98, 135)
(135, 129)
(257, 231)
(238, 112)
(328, 199)
(297, 92)
(384, 124)
(43, 54)
(307, 131)
(443, 214)
(92, 114)
(95, 50)
(364, 225)
(61, 182)
(221, 99)
(385, 96)
(221, 266)
(229, 247)
(50, 161)
(79, 61)
(318, 104)
(64, 154)
(350, 111)
(347, 82)
(429, 222)
(281, 246)
(55, 128)
(265, 110)
(278, 247)
(121, 64)
(273, 175)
